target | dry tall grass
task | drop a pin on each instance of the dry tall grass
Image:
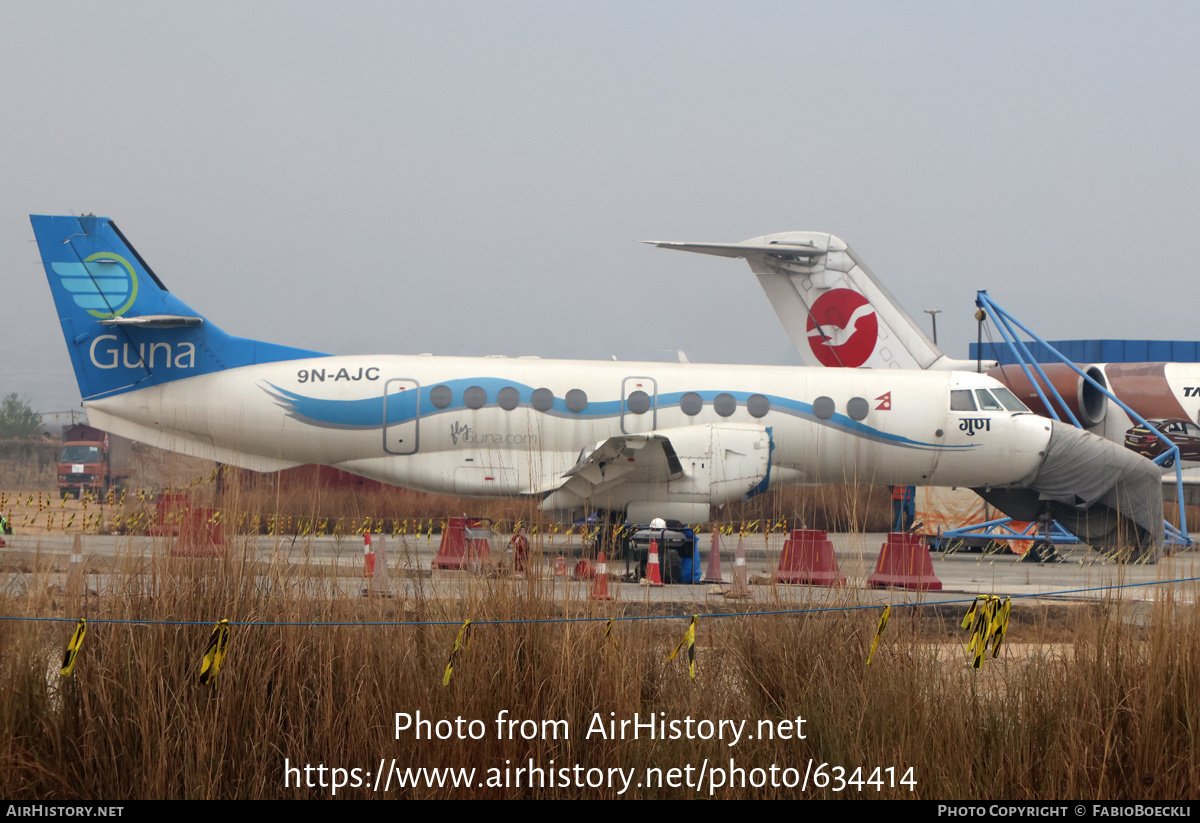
(256, 504)
(1114, 713)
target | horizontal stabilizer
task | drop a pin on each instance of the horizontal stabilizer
(153, 321)
(742, 249)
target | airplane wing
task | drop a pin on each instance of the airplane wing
(628, 458)
(717, 462)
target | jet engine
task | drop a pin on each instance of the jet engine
(1086, 402)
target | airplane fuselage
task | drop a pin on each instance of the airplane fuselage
(500, 426)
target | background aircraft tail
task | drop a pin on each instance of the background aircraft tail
(832, 306)
(124, 330)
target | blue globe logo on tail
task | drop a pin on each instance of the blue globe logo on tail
(104, 284)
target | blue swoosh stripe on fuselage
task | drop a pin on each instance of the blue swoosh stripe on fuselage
(367, 413)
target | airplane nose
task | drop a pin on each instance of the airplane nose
(1110, 497)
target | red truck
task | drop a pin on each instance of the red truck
(92, 460)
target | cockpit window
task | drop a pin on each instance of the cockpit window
(987, 402)
(961, 400)
(1010, 400)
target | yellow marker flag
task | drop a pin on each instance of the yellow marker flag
(969, 617)
(1000, 626)
(461, 644)
(214, 654)
(68, 666)
(883, 621)
(689, 638)
(608, 635)
(981, 630)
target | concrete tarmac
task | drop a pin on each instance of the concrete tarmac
(1083, 576)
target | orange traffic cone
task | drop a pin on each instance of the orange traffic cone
(368, 556)
(652, 574)
(381, 584)
(600, 579)
(452, 552)
(712, 574)
(740, 587)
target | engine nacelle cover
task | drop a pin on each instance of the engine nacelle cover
(721, 462)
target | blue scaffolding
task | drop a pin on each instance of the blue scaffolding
(1002, 528)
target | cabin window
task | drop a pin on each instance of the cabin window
(724, 404)
(824, 407)
(639, 402)
(858, 408)
(475, 397)
(987, 402)
(758, 405)
(1010, 400)
(961, 400)
(542, 400)
(691, 404)
(576, 400)
(508, 398)
(440, 396)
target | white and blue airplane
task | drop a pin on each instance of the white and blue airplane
(649, 439)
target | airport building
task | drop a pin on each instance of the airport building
(1098, 351)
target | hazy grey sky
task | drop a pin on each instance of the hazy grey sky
(472, 178)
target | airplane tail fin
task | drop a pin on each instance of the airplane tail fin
(832, 306)
(124, 329)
